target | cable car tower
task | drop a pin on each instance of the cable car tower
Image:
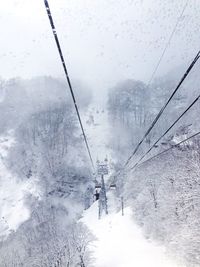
(102, 169)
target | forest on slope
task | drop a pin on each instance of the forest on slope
(137, 50)
(46, 142)
(164, 191)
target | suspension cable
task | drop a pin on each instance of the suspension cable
(164, 107)
(67, 76)
(174, 123)
(168, 43)
(166, 150)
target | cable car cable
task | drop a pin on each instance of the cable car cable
(164, 106)
(67, 76)
(168, 43)
(174, 123)
(166, 150)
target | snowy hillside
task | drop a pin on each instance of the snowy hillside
(120, 242)
(13, 210)
(100, 133)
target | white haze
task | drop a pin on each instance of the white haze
(104, 41)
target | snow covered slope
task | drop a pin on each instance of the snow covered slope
(13, 192)
(120, 242)
(98, 131)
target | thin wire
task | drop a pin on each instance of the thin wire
(164, 107)
(174, 123)
(166, 150)
(168, 43)
(155, 70)
(67, 76)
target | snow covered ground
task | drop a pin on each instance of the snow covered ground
(120, 242)
(13, 193)
(98, 131)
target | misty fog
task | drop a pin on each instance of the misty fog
(99, 133)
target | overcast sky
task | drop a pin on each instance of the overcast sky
(104, 41)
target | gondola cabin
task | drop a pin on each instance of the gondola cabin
(97, 186)
(113, 186)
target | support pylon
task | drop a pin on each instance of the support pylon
(102, 198)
